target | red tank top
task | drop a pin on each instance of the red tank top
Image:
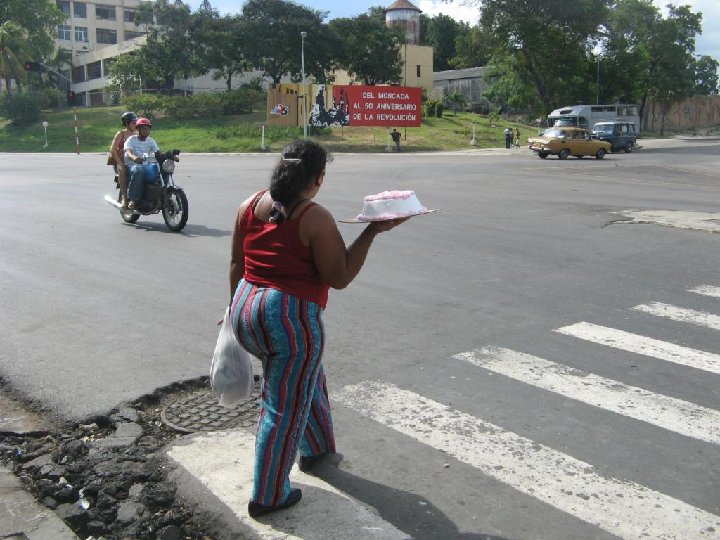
(275, 257)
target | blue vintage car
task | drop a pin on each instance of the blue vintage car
(621, 135)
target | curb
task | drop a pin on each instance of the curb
(22, 517)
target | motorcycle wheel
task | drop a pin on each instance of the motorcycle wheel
(175, 212)
(128, 217)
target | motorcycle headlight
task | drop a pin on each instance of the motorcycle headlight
(168, 166)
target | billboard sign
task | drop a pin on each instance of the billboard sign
(350, 105)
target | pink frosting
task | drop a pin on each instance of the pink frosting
(390, 195)
(382, 206)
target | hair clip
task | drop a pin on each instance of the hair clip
(291, 157)
(292, 160)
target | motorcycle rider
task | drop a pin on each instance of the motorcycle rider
(138, 149)
(117, 150)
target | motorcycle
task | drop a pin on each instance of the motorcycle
(162, 195)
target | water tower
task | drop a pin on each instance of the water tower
(404, 14)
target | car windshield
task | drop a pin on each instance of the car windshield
(603, 128)
(554, 132)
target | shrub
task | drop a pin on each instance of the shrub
(51, 98)
(241, 101)
(21, 107)
(439, 107)
(430, 106)
(203, 105)
(147, 105)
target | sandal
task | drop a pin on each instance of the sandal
(256, 509)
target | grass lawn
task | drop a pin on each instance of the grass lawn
(97, 126)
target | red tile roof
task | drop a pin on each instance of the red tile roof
(403, 4)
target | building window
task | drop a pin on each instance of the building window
(63, 6)
(106, 13)
(63, 32)
(94, 71)
(106, 36)
(78, 74)
(132, 35)
(81, 34)
(418, 70)
(80, 10)
(130, 15)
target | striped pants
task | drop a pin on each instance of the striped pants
(287, 334)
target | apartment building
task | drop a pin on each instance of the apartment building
(95, 33)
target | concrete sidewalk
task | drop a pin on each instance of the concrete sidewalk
(214, 475)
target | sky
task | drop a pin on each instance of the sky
(706, 44)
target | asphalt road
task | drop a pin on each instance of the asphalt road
(96, 312)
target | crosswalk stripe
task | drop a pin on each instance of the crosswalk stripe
(626, 509)
(647, 346)
(666, 412)
(699, 318)
(707, 290)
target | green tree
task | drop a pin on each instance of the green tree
(39, 20)
(542, 47)
(472, 49)
(706, 76)
(171, 49)
(274, 27)
(651, 56)
(371, 50)
(441, 33)
(456, 101)
(225, 47)
(128, 71)
(14, 50)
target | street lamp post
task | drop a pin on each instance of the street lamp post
(597, 95)
(303, 35)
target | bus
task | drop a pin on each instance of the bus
(585, 116)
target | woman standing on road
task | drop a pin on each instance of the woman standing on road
(117, 150)
(286, 253)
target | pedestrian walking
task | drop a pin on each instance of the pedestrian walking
(395, 134)
(508, 137)
(286, 254)
(517, 137)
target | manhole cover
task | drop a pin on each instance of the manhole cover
(202, 412)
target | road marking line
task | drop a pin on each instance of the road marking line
(707, 290)
(647, 346)
(663, 411)
(699, 318)
(624, 508)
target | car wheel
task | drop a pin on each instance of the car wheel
(542, 155)
(629, 147)
(564, 153)
(600, 154)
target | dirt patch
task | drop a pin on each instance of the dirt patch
(108, 478)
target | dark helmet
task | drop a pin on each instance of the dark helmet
(143, 122)
(128, 117)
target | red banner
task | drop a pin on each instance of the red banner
(391, 106)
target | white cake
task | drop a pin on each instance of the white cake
(390, 205)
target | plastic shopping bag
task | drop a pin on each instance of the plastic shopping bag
(231, 374)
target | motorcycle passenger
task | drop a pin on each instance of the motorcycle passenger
(138, 149)
(117, 149)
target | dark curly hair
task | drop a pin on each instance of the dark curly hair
(301, 162)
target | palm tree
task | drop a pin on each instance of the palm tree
(13, 53)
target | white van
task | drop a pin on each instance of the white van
(586, 116)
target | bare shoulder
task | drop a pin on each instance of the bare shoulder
(317, 216)
(317, 223)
